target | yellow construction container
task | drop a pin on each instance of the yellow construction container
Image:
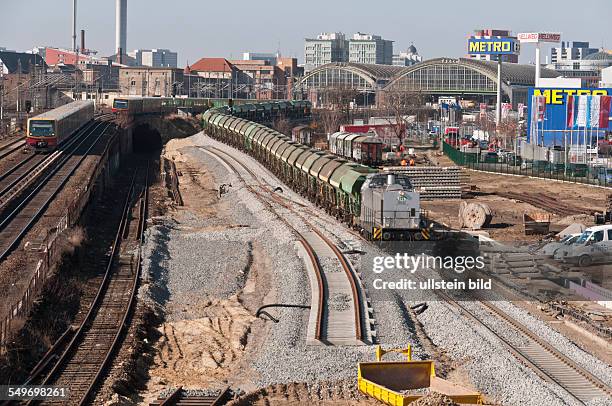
(385, 381)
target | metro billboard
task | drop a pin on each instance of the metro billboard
(548, 114)
(493, 46)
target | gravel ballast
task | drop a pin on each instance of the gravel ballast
(196, 260)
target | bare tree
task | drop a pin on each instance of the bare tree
(508, 130)
(485, 123)
(282, 125)
(330, 120)
(396, 104)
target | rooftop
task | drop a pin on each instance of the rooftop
(212, 65)
(599, 56)
(19, 62)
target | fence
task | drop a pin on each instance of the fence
(513, 165)
(48, 253)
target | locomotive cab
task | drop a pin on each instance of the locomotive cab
(390, 208)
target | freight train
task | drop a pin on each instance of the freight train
(49, 130)
(134, 105)
(363, 148)
(245, 108)
(382, 207)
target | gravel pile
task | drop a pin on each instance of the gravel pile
(435, 399)
(191, 392)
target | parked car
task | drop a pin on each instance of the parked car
(593, 246)
(552, 247)
(489, 157)
(604, 175)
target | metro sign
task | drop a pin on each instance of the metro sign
(493, 46)
(535, 37)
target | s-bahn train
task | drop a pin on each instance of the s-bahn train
(382, 207)
(49, 130)
(363, 148)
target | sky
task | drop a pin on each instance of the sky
(199, 28)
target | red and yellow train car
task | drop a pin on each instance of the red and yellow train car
(49, 130)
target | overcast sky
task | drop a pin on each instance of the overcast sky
(198, 28)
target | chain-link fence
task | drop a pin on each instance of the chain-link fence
(509, 163)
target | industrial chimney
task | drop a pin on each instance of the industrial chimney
(83, 41)
(74, 17)
(120, 29)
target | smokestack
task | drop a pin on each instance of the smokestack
(120, 29)
(74, 16)
(83, 41)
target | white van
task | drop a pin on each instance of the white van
(593, 246)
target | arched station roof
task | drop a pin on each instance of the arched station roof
(351, 75)
(444, 75)
(440, 75)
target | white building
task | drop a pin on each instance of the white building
(408, 58)
(325, 48)
(606, 77)
(371, 49)
(155, 58)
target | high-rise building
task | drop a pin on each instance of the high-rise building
(489, 33)
(156, 58)
(369, 48)
(408, 58)
(574, 50)
(326, 48)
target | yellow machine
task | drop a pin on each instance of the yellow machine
(385, 380)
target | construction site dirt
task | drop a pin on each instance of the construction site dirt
(507, 223)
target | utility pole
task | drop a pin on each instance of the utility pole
(499, 92)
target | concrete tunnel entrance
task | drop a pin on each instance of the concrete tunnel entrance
(146, 139)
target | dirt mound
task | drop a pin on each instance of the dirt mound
(294, 394)
(189, 350)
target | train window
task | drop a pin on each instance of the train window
(120, 104)
(41, 128)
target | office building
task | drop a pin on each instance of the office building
(325, 48)
(370, 49)
(574, 50)
(155, 58)
(260, 56)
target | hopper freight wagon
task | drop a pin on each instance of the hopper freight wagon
(365, 149)
(391, 210)
(50, 129)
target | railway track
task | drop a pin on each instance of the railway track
(19, 176)
(31, 201)
(11, 146)
(338, 315)
(543, 358)
(181, 397)
(89, 353)
(545, 202)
